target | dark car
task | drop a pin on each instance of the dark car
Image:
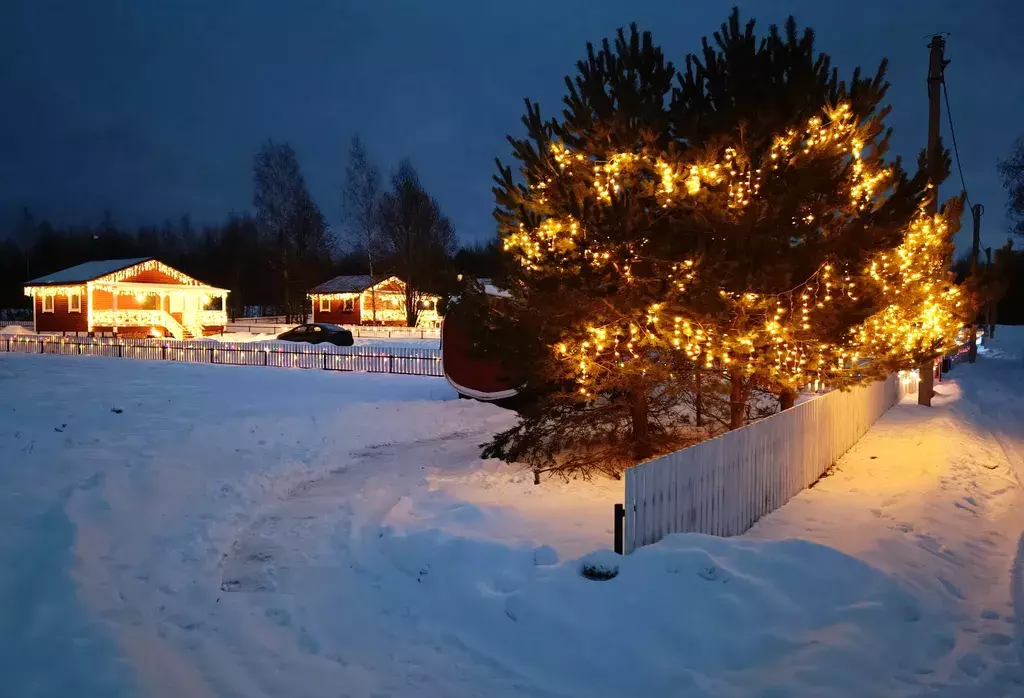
(318, 332)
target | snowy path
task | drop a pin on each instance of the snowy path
(933, 497)
(208, 539)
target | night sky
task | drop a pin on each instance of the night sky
(155, 109)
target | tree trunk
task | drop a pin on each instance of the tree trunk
(287, 300)
(787, 398)
(641, 432)
(698, 402)
(373, 291)
(737, 401)
(410, 306)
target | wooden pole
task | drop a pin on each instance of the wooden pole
(976, 212)
(936, 63)
(988, 308)
(620, 517)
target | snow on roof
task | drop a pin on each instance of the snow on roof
(87, 271)
(348, 284)
(492, 289)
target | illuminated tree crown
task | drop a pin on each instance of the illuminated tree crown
(739, 218)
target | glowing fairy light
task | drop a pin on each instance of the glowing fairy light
(921, 308)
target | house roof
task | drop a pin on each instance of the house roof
(87, 271)
(348, 284)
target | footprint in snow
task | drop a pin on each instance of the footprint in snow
(307, 642)
(940, 645)
(951, 588)
(279, 616)
(971, 664)
(996, 639)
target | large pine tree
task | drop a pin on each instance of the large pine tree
(741, 226)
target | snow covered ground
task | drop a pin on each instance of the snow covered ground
(182, 529)
(933, 498)
(15, 330)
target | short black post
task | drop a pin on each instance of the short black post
(211, 355)
(620, 518)
(324, 355)
(41, 351)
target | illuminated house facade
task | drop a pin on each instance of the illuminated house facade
(129, 297)
(359, 300)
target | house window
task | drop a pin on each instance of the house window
(350, 305)
(325, 304)
(47, 304)
(75, 303)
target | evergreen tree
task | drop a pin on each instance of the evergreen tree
(744, 225)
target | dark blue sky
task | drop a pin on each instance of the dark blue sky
(155, 109)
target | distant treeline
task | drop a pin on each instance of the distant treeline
(271, 257)
(230, 255)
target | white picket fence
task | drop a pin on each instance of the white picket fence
(256, 326)
(401, 360)
(723, 485)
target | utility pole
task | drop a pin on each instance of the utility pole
(988, 308)
(976, 212)
(936, 64)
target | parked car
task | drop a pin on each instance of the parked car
(318, 332)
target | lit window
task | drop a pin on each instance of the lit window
(325, 304)
(349, 305)
(47, 304)
(75, 303)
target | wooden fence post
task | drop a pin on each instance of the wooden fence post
(620, 517)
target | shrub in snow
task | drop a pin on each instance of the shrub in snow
(600, 566)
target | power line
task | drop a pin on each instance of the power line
(952, 133)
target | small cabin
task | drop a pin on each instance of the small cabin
(363, 300)
(140, 297)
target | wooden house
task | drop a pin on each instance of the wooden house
(129, 297)
(360, 300)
